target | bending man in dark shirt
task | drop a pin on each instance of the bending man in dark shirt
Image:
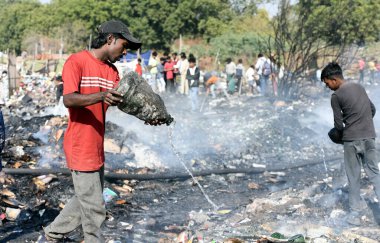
(353, 117)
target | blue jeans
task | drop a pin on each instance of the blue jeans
(263, 84)
(194, 98)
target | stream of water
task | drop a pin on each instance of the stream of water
(181, 159)
(324, 160)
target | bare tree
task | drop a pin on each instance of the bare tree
(300, 47)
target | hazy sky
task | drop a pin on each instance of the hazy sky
(270, 7)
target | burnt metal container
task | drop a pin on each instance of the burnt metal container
(141, 101)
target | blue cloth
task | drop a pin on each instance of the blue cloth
(2, 136)
(133, 56)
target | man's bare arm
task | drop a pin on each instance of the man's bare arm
(110, 97)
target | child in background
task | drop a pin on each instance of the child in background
(192, 76)
(160, 76)
(138, 69)
(250, 76)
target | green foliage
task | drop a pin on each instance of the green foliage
(232, 45)
(338, 21)
(15, 19)
(159, 22)
(156, 22)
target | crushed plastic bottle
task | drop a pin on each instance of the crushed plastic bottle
(297, 239)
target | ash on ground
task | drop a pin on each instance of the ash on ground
(298, 188)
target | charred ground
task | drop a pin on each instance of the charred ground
(287, 139)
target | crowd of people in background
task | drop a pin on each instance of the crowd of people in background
(261, 78)
(179, 74)
(369, 71)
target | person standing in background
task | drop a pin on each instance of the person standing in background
(59, 87)
(160, 76)
(377, 72)
(239, 74)
(4, 88)
(192, 76)
(152, 65)
(184, 86)
(138, 69)
(175, 61)
(250, 76)
(230, 71)
(372, 71)
(263, 69)
(169, 69)
(165, 57)
(361, 70)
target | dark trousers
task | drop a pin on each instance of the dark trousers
(170, 85)
(356, 154)
(59, 92)
(361, 76)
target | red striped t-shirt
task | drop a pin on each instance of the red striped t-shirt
(84, 137)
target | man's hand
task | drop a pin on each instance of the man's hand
(112, 97)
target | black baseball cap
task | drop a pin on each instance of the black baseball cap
(118, 27)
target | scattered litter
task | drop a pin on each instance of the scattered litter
(253, 186)
(108, 195)
(126, 226)
(224, 211)
(12, 213)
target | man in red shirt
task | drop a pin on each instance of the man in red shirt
(89, 78)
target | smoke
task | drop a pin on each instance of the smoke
(319, 118)
(57, 110)
(152, 146)
(201, 137)
(373, 95)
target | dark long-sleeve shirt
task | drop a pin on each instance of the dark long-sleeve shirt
(353, 112)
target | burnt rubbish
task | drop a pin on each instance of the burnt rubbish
(141, 101)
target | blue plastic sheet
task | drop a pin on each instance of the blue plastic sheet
(133, 56)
